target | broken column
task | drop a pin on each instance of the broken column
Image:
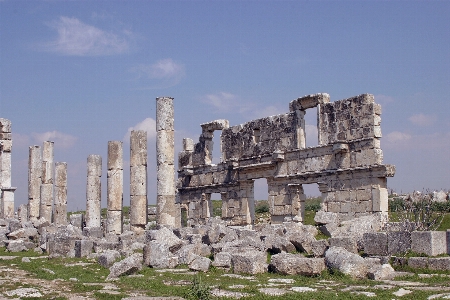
(7, 192)
(46, 190)
(93, 191)
(60, 213)
(34, 181)
(115, 187)
(138, 180)
(165, 163)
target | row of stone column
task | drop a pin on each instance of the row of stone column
(7, 192)
(47, 196)
(138, 186)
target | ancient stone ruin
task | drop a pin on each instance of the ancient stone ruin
(347, 164)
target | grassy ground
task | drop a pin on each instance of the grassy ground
(90, 282)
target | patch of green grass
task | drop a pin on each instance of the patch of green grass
(217, 208)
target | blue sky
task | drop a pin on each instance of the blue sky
(82, 73)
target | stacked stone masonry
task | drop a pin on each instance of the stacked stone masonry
(347, 164)
(46, 193)
(115, 187)
(138, 180)
(93, 191)
(6, 191)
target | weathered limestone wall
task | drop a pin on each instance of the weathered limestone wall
(7, 192)
(347, 164)
(34, 181)
(115, 187)
(60, 209)
(138, 180)
(168, 210)
(93, 191)
(46, 192)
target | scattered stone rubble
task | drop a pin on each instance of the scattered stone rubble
(347, 165)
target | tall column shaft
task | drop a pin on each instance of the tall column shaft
(6, 191)
(166, 212)
(60, 214)
(34, 181)
(138, 180)
(93, 191)
(115, 187)
(46, 194)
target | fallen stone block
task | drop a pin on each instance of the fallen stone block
(127, 266)
(296, 264)
(108, 258)
(93, 232)
(381, 272)
(158, 255)
(222, 260)
(439, 263)
(200, 263)
(418, 262)
(16, 246)
(83, 248)
(346, 262)
(102, 245)
(398, 242)
(375, 243)
(318, 248)
(24, 233)
(431, 243)
(278, 244)
(249, 262)
(348, 243)
(165, 236)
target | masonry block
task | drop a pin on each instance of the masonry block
(398, 242)
(375, 243)
(431, 243)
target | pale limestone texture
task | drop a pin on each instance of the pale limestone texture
(34, 181)
(60, 209)
(93, 191)
(115, 187)
(46, 191)
(138, 180)
(167, 209)
(6, 191)
(347, 164)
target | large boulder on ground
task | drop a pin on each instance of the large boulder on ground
(108, 258)
(188, 252)
(24, 233)
(158, 255)
(16, 246)
(222, 260)
(296, 264)
(278, 244)
(200, 263)
(129, 265)
(346, 262)
(62, 242)
(165, 236)
(381, 272)
(249, 262)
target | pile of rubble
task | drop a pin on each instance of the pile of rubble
(294, 247)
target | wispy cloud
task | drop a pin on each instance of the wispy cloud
(79, 39)
(61, 140)
(383, 99)
(148, 125)
(164, 73)
(422, 119)
(397, 136)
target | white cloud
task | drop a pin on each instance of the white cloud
(163, 73)
(61, 140)
(80, 39)
(397, 136)
(422, 119)
(148, 125)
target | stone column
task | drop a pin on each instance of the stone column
(115, 187)
(7, 192)
(46, 191)
(138, 180)
(34, 181)
(93, 191)
(298, 198)
(60, 214)
(165, 162)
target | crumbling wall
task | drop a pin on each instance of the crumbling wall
(347, 164)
